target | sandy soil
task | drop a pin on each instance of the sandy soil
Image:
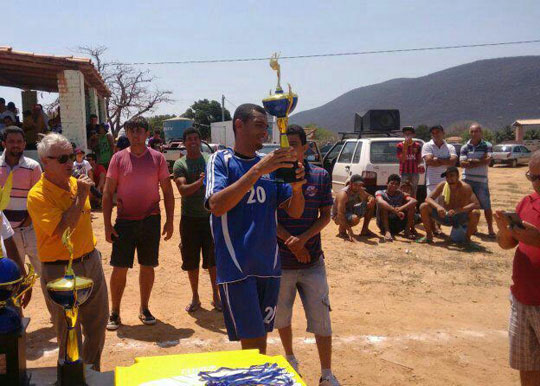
(402, 313)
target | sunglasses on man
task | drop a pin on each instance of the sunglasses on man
(64, 158)
(532, 177)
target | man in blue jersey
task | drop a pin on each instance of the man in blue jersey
(302, 261)
(243, 196)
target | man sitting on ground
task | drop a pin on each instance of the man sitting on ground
(457, 208)
(351, 204)
(395, 210)
(406, 188)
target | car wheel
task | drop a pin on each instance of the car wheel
(491, 163)
(514, 163)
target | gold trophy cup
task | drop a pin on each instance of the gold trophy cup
(69, 292)
(280, 105)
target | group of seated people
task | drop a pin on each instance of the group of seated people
(452, 203)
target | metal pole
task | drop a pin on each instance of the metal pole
(222, 108)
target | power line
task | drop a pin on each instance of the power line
(373, 52)
(227, 99)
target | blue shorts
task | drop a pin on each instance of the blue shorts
(358, 210)
(481, 190)
(249, 306)
(458, 219)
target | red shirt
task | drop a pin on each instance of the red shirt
(526, 269)
(137, 179)
(97, 172)
(414, 156)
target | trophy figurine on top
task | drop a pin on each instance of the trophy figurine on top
(280, 105)
(70, 292)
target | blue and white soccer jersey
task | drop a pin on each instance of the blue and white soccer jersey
(247, 259)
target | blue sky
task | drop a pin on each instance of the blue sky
(183, 30)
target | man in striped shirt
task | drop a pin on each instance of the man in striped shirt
(409, 154)
(302, 262)
(474, 158)
(26, 172)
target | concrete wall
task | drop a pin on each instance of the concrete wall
(73, 106)
(92, 103)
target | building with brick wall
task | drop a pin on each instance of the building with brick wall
(81, 88)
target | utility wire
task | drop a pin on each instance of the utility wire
(227, 99)
(374, 52)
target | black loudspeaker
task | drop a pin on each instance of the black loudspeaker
(381, 121)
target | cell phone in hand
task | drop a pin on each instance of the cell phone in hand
(513, 219)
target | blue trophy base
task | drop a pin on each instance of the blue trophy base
(13, 353)
(10, 320)
(287, 175)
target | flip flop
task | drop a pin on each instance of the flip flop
(424, 240)
(492, 236)
(192, 307)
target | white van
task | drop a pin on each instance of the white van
(373, 158)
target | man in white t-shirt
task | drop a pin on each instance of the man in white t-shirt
(438, 155)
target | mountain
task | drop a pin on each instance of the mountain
(494, 92)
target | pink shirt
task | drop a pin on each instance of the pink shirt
(137, 179)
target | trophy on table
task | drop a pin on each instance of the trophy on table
(70, 292)
(13, 285)
(280, 105)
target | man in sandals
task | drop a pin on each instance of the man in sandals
(195, 233)
(458, 206)
(351, 204)
(395, 209)
(135, 174)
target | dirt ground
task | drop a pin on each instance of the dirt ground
(402, 313)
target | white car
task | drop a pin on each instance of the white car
(175, 149)
(373, 158)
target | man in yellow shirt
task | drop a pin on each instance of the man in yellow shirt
(58, 201)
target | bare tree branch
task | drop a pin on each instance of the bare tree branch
(131, 95)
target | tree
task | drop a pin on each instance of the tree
(506, 134)
(131, 94)
(156, 121)
(531, 134)
(422, 132)
(321, 134)
(204, 112)
(487, 134)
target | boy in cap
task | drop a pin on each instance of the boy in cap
(409, 153)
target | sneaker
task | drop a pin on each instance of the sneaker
(328, 381)
(147, 318)
(114, 322)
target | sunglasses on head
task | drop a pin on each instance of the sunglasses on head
(532, 177)
(64, 158)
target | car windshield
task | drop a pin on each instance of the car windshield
(384, 152)
(501, 148)
(267, 148)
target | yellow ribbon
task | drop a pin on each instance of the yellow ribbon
(446, 193)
